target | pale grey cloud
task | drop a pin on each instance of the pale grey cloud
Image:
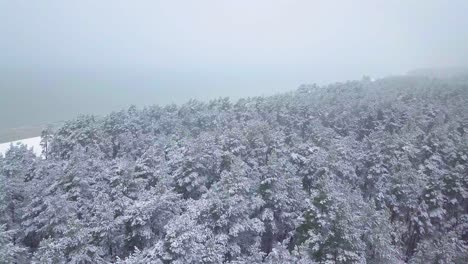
(204, 34)
(179, 49)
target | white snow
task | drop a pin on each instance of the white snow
(30, 142)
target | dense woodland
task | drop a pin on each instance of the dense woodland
(357, 172)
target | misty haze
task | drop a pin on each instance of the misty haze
(234, 131)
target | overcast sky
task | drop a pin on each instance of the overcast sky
(203, 35)
(211, 48)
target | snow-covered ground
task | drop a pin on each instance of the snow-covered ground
(30, 142)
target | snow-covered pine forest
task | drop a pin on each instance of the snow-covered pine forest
(356, 172)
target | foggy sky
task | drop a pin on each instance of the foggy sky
(146, 52)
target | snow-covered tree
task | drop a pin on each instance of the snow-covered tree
(354, 172)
